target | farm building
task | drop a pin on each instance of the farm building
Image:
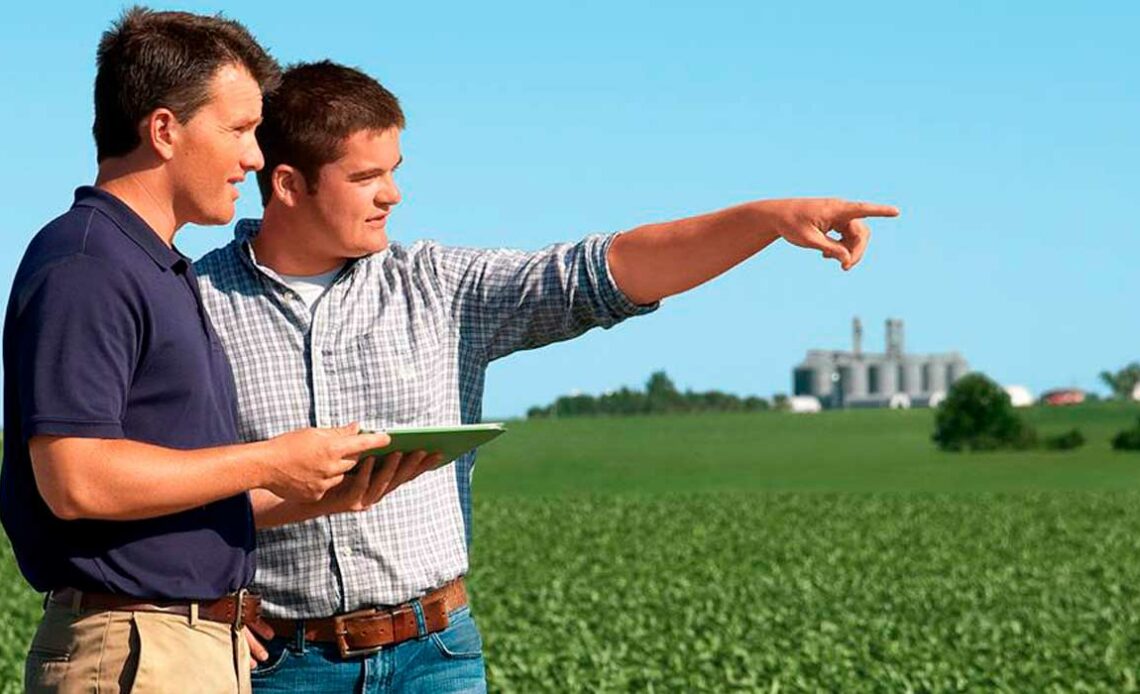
(1063, 396)
(892, 378)
(1019, 396)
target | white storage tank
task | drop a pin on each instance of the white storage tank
(804, 404)
(1019, 396)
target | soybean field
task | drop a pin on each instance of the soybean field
(773, 552)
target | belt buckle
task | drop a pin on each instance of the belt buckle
(342, 634)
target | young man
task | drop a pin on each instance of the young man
(326, 322)
(122, 490)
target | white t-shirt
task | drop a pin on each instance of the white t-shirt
(311, 287)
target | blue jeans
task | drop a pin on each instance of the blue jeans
(447, 661)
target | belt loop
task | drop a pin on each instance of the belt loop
(299, 637)
(421, 624)
(77, 602)
(194, 614)
(239, 609)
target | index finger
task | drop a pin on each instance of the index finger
(358, 443)
(869, 209)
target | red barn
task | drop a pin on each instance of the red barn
(1063, 396)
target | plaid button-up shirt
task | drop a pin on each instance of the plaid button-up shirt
(401, 338)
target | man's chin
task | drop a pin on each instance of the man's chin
(218, 217)
(376, 243)
(372, 249)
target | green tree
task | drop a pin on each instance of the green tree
(1127, 440)
(624, 402)
(977, 415)
(1123, 381)
(575, 406)
(1070, 440)
(662, 394)
(755, 404)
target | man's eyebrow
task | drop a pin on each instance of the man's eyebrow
(250, 123)
(374, 171)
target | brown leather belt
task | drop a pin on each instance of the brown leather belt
(225, 609)
(367, 631)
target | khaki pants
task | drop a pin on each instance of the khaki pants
(140, 652)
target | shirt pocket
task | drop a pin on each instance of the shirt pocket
(388, 381)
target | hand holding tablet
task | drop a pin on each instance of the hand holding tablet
(450, 441)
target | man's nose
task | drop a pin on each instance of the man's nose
(253, 159)
(389, 195)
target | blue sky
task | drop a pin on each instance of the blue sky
(1006, 132)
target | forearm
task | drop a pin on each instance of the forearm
(270, 510)
(654, 261)
(118, 479)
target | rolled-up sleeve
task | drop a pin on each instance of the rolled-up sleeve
(508, 300)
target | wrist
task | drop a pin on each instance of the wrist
(765, 218)
(264, 458)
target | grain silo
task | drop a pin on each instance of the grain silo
(867, 379)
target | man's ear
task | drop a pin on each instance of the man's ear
(288, 184)
(160, 132)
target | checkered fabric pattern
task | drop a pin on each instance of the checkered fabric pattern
(401, 338)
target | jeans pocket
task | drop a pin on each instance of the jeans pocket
(461, 639)
(278, 653)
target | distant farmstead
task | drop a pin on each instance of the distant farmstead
(892, 379)
(1063, 396)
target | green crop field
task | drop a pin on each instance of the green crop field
(774, 552)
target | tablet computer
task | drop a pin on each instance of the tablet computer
(451, 442)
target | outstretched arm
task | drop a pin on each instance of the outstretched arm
(654, 261)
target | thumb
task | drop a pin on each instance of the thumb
(348, 429)
(834, 249)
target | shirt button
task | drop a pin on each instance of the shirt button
(348, 551)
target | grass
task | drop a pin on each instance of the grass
(852, 451)
(778, 552)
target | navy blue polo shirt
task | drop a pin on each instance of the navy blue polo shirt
(105, 337)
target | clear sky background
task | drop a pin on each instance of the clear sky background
(1007, 133)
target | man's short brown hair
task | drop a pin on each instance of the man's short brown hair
(149, 60)
(308, 117)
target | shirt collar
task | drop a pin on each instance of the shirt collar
(134, 226)
(246, 229)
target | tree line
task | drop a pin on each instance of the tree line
(659, 397)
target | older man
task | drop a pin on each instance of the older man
(123, 491)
